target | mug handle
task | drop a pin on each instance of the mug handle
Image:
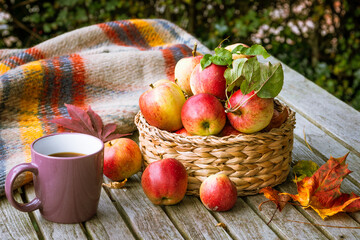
(10, 179)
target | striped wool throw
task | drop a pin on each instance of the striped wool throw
(107, 66)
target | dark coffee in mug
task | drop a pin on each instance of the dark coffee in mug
(67, 171)
(66, 154)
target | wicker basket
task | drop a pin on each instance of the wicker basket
(251, 161)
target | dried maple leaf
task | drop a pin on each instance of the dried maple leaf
(276, 197)
(322, 193)
(115, 185)
(88, 122)
(223, 225)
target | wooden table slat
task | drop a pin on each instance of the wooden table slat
(280, 223)
(320, 107)
(15, 224)
(326, 145)
(301, 152)
(194, 220)
(244, 223)
(147, 220)
(341, 220)
(108, 223)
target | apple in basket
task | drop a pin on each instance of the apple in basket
(249, 113)
(277, 119)
(165, 181)
(203, 114)
(183, 70)
(122, 158)
(183, 132)
(218, 193)
(161, 105)
(209, 80)
(228, 130)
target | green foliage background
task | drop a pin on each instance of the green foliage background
(318, 38)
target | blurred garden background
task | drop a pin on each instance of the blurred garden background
(318, 38)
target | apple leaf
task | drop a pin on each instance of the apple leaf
(88, 122)
(265, 79)
(255, 49)
(272, 80)
(205, 61)
(252, 76)
(233, 75)
(321, 191)
(222, 57)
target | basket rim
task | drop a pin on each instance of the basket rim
(213, 140)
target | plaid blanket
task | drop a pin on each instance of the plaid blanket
(107, 66)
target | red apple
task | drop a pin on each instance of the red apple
(161, 105)
(210, 80)
(218, 193)
(203, 114)
(122, 159)
(165, 181)
(183, 70)
(277, 119)
(254, 113)
(228, 130)
(183, 132)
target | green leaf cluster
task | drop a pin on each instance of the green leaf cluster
(221, 57)
(265, 79)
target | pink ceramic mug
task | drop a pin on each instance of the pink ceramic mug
(67, 188)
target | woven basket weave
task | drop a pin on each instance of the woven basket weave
(251, 161)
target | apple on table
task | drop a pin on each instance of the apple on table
(218, 193)
(165, 181)
(122, 159)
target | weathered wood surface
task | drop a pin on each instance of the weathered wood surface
(327, 125)
(334, 117)
(15, 224)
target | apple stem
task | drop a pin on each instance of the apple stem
(194, 50)
(151, 85)
(226, 39)
(110, 144)
(234, 109)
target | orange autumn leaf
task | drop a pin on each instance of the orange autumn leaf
(321, 191)
(276, 197)
(115, 185)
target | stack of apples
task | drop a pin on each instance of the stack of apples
(197, 103)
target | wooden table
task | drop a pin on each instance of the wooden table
(331, 128)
